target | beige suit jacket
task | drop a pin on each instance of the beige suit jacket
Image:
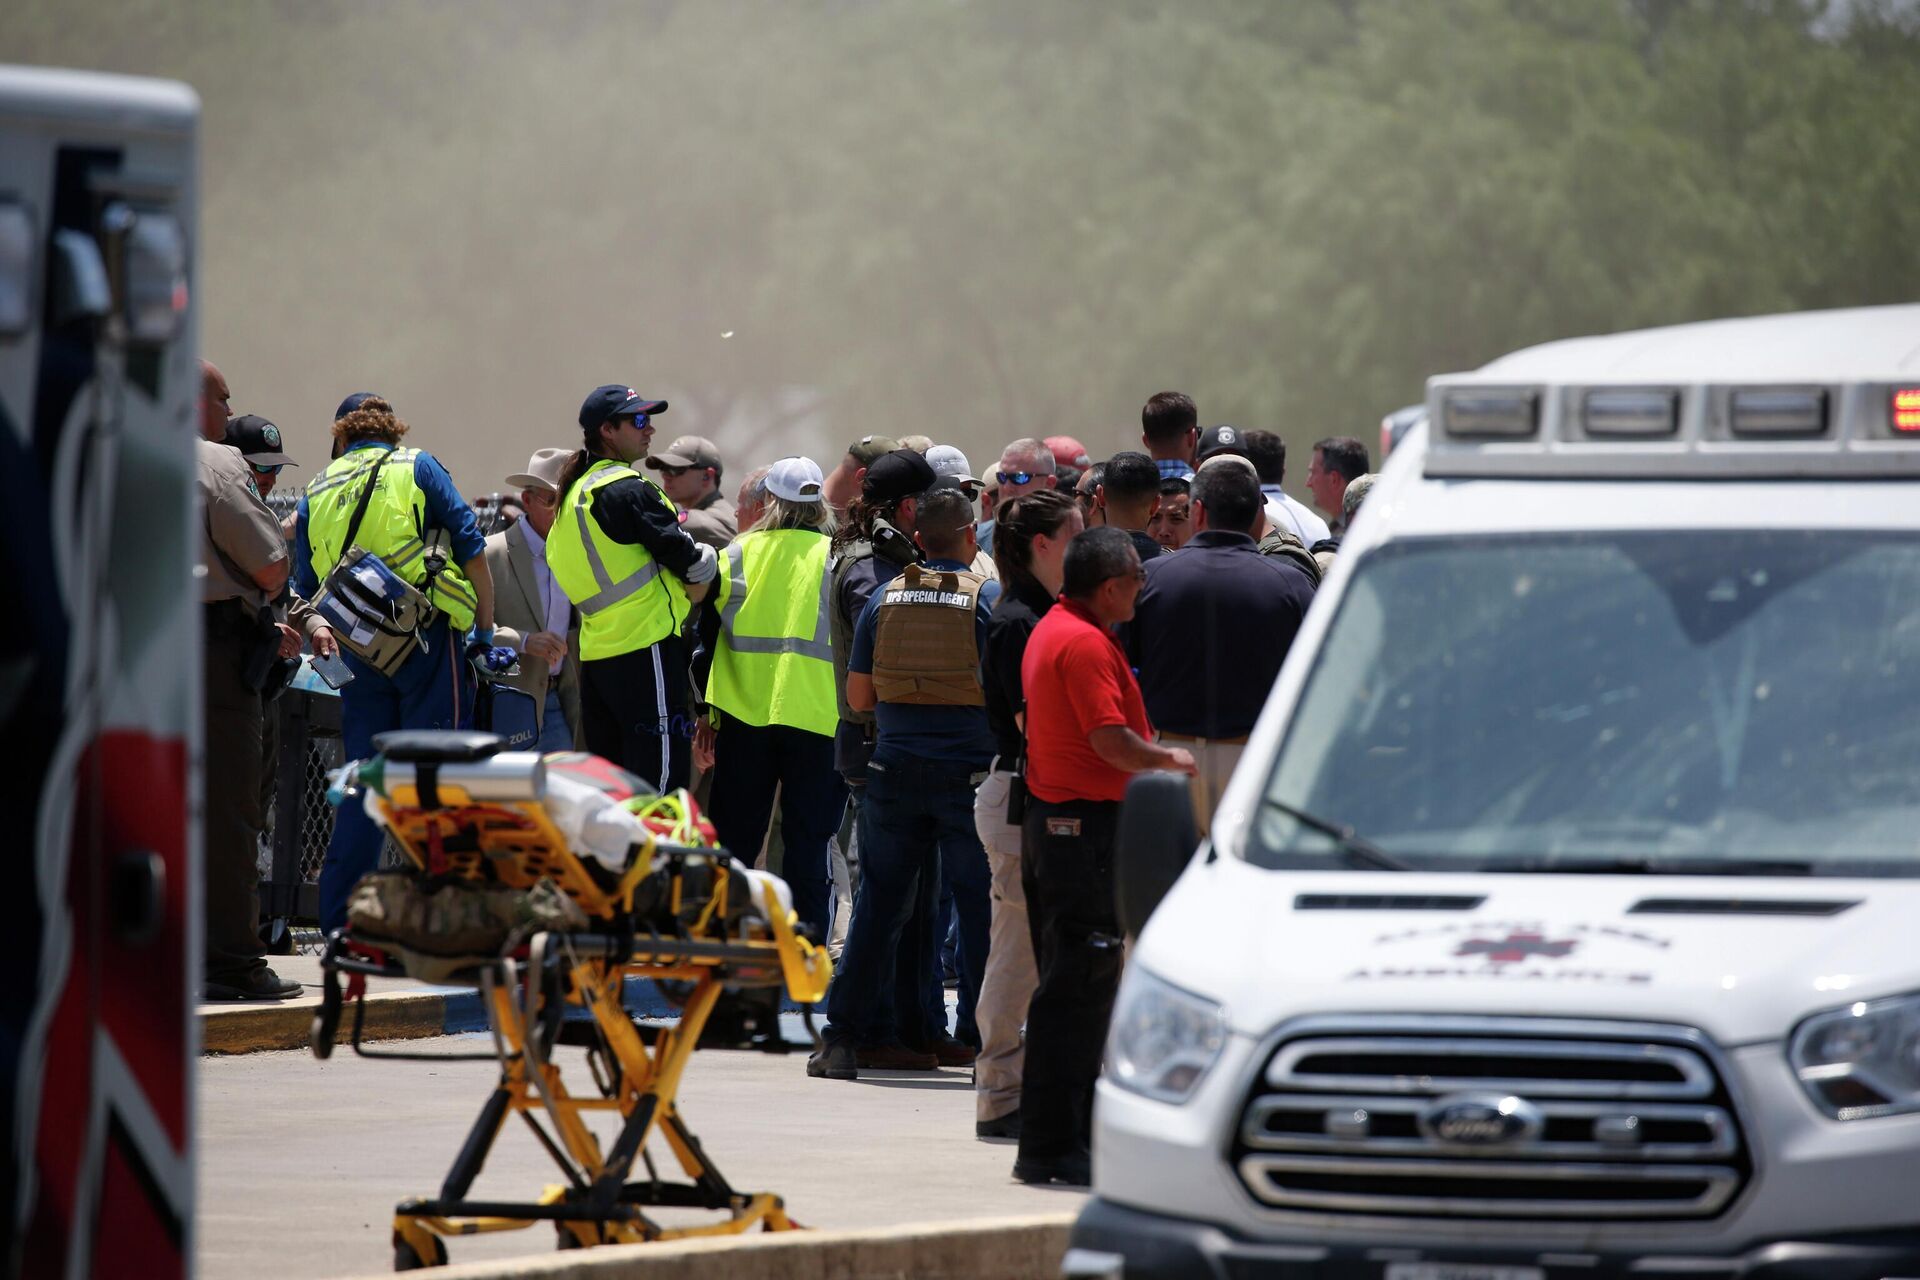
(517, 614)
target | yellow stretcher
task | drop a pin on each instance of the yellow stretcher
(682, 913)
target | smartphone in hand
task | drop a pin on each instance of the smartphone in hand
(333, 669)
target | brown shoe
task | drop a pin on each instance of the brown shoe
(954, 1053)
(894, 1057)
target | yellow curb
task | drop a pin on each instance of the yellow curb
(253, 1028)
(1022, 1248)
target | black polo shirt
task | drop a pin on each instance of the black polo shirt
(1209, 631)
(1145, 545)
(1018, 611)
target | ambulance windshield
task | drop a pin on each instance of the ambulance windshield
(1686, 702)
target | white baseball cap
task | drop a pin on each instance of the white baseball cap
(795, 479)
(1228, 460)
(949, 463)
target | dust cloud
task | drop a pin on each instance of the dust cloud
(979, 219)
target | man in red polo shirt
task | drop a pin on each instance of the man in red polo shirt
(1087, 734)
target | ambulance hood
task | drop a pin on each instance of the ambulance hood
(1742, 958)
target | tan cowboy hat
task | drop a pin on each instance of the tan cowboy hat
(543, 470)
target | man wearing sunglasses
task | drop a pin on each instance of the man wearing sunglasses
(259, 443)
(690, 474)
(1025, 465)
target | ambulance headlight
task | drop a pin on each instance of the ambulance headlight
(1163, 1039)
(1861, 1061)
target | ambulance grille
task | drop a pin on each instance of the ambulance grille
(1496, 1118)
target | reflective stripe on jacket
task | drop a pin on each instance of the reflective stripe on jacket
(394, 527)
(773, 663)
(626, 603)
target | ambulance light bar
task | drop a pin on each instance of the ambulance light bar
(1700, 431)
(1779, 413)
(1632, 413)
(1906, 409)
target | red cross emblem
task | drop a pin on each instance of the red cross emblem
(1515, 947)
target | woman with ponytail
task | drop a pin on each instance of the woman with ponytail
(1031, 533)
(617, 549)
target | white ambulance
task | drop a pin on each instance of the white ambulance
(99, 671)
(1560, 921)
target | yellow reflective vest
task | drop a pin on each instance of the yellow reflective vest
(626, 603)
(773, 663)
(394, 527)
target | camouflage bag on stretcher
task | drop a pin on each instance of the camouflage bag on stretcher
(437, 929)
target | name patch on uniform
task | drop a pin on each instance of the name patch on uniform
(1063, 826)
(927, 595)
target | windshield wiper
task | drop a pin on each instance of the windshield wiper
(1644, 866)
(1360, 851)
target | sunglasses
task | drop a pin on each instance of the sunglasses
(639, 420)
(266, 471)
(1014, 477)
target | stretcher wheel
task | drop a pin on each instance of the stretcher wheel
(407, 1258)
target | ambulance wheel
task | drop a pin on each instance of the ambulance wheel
(407, 1258)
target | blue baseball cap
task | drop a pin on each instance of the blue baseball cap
(615, 400)
(353, 402)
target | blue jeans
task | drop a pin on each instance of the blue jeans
(917, 815)
(555, 733)
(431, 690)
(750, 764)
(963, 925)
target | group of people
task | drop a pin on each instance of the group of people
(921, 691)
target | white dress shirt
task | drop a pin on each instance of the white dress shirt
(553, 601)
(1285, 514)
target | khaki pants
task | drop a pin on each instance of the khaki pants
(1008, 986)
(1216, 760)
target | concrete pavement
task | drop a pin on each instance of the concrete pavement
(301, 1161)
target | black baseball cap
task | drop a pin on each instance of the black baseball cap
(616, 400)
(259, 440)
(1223, 439)
(900, 474)
(353, 402)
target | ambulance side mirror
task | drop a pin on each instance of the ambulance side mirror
(1157, 838)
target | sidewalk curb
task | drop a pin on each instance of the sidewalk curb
(1023, 1248)
(391, 1015)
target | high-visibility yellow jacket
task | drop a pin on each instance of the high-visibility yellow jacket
(625, 601)
(773, 663)
(394, 527)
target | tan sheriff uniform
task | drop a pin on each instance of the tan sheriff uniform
(239, 537)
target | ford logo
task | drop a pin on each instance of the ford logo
(1482, 1120)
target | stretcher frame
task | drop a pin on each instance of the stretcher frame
(637, 1070)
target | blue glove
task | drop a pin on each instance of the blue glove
(482, 636)
(499, 659)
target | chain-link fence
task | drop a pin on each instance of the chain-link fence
(492, 512)
(291, 852)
